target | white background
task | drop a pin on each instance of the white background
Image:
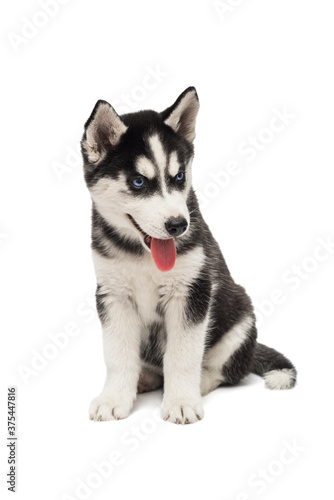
(259, 56)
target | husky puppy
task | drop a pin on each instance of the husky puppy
(171, 314)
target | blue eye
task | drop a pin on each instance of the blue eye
(180, 176)
(138, 182)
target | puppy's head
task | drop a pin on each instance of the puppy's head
(138, 170)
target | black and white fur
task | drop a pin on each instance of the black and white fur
(190, 329)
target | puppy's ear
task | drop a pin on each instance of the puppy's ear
(181, 117)
(103, 131)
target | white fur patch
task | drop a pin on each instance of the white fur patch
(145, 167)
(280, 379)
(173, 166)
(111, 202)
(158, 153)
(175, 283)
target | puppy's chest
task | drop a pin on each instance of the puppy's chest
(146, 296)
(149, 290)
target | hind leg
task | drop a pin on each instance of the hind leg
(149, 380)
(211, 378)
(229, 361)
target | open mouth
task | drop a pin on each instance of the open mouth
(147, 237)
(163, 251)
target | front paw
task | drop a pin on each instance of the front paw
(182, 411)
(106, 407)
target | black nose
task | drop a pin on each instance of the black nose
(176, 226)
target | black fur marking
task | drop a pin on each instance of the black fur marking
(151, 186)
(229, 304)
(198, 299)
(151, 351)
(100, 305)
(112, 236)
(160, 310)
(133, 303)
(173, 184)
(267, 359)
(99, 244)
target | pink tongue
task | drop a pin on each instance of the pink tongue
(164, 253)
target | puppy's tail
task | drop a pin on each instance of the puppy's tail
(278, 372)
